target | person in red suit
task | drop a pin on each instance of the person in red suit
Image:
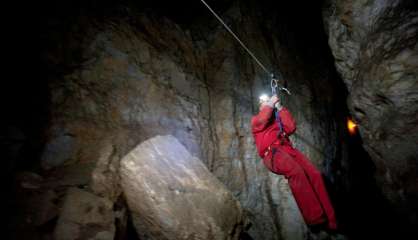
(280, 157)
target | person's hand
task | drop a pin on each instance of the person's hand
(278, 106)
(274, 99)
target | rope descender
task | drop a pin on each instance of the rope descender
(275, 87)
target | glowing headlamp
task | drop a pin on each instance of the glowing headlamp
(264, 98)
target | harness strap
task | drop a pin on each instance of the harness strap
(279, 122)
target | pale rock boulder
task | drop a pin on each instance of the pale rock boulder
(172, 195)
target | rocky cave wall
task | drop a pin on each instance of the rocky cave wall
(130, 75)
(118, 73)
(374, 44)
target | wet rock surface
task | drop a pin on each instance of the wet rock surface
(172, 195)
(375, 47)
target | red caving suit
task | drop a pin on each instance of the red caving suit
(280, 157)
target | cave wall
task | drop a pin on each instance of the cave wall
(374, 44)
(119, 75)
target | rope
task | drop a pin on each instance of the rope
(274, 81)
(236, 37)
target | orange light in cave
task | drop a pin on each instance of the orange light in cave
(352, 126)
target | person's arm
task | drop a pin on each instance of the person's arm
(289, 124)
(261, 120)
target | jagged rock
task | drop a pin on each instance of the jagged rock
(85, 216)
(37, 204)
(58, 150)
(30, 180)
(144, 75)
(41, 207)
(375, 46)
(105, 176)
(172, 195)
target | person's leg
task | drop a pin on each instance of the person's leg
(318, 185)
(305, 197)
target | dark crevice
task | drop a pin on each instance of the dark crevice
(131, 233)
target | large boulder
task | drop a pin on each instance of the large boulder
(172, 195)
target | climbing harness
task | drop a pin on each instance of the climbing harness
(274, 81)
(275, 87)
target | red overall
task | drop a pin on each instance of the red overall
(280, 157)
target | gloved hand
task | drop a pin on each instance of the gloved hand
(275, 102)
(274, 99)
(278, 105)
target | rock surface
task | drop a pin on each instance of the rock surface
(85, 216)
(375, 46)
(172, 195)
(127, 74)
(37, 206)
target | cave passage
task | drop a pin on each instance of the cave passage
(139, 125)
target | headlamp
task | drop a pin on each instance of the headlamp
(264, 98)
